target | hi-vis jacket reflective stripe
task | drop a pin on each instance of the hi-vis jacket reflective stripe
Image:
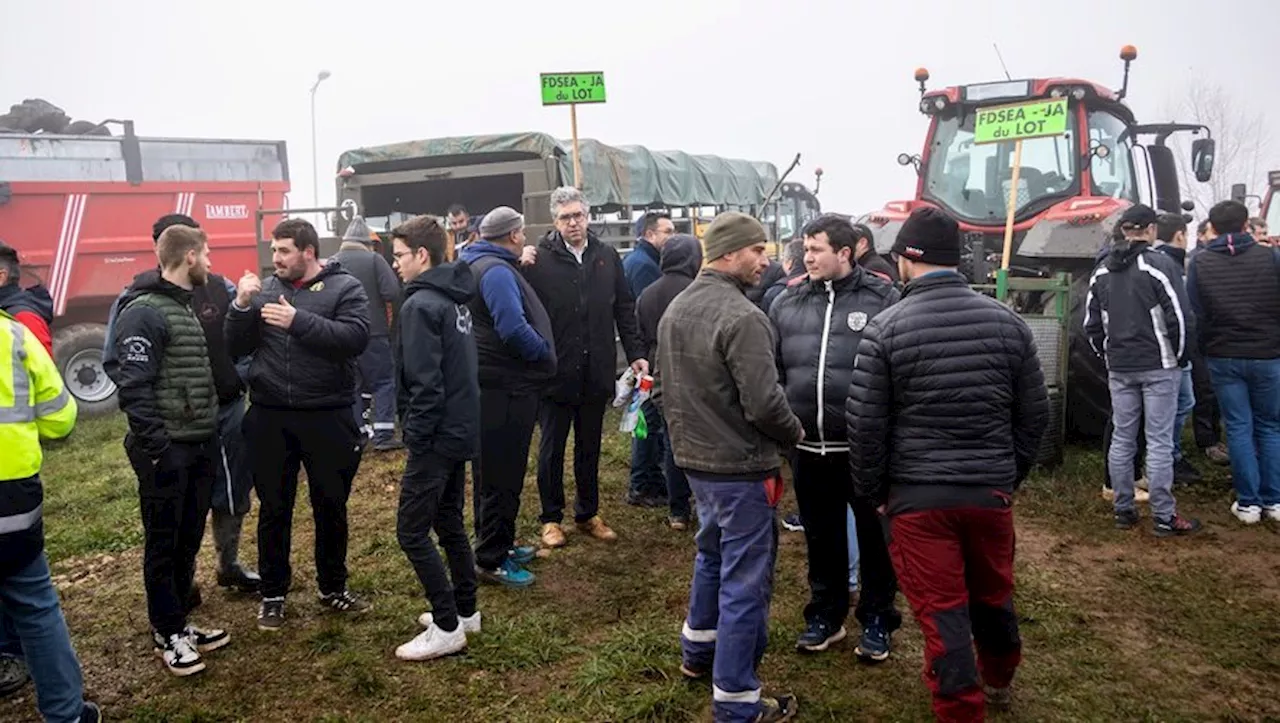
(34, 405)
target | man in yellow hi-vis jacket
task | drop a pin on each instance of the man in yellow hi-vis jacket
(34, 406)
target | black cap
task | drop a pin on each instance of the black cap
(930, 236)
(1138, 216)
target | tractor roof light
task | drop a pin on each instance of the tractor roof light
(1128, 53)
(1079, 92)
(921, 76)
(933, 104)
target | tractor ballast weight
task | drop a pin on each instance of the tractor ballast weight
(1071, 191)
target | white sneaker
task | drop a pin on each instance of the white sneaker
(470, 625)
(1272, 512)
(179, 654)
(433, 643)
(1249, 514)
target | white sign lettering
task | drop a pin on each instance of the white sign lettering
(225, 211)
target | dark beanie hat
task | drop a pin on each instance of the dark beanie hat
(731, 231)
(929, 236)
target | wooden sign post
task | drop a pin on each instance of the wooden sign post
(571, 89)
(1017, 123)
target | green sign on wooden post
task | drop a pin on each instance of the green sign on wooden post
(572, 88)
(1017, 122)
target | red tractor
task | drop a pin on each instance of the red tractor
(1071, 190)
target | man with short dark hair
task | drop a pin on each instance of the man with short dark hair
(1171, 240)
(729, 422)
(517, 359)
(1234, 288)
(946, 409)
(819, 325)
(435, 354)
(167, 391)
(460, 227)
(1258, 230)
(1140, 294)
(377, 382)
(305, 326)
(33, 307)
(234, 483)
(866, 255)
(642, 267)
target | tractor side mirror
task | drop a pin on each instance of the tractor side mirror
(1239, 192)
(906, 159)
(1188, 206)
(1202, 153)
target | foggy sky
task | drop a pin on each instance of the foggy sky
(740, 78)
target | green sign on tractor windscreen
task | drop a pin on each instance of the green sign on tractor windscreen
(1018, 122)
(572, 88)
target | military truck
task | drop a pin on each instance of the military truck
(391, 182)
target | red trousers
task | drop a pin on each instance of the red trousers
(955, 567)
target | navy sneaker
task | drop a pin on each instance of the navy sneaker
(345, 602)
(13, 675)
(522, 554)
(874, 646)
(90, 713)
(793, 523)
(819, 636)
(1176, 526)
(1126, 519)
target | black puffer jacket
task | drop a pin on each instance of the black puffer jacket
(585, 302)
(312, 365)
(947, 403)
(819, 326)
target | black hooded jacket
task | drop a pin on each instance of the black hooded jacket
(681, 259)
(585, 302)
(1137, 316)
(312, 364)
(437, 385)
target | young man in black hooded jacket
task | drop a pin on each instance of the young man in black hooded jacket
(438, 387)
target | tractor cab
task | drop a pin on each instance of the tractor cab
(1069, 187)
(797, 206)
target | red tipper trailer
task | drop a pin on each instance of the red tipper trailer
(79, 210)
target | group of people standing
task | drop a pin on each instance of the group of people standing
(1160, 317)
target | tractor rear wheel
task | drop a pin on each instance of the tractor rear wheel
(77, 350)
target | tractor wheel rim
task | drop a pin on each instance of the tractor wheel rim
(87, 363)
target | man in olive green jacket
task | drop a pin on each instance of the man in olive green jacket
(728, 420)
(166, 389)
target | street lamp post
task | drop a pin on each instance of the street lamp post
(315, 167)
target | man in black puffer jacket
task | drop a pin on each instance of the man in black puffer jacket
(305, 326)
(946, 410)
(819, 325)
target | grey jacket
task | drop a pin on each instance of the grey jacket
(375, 275)
(726, 411)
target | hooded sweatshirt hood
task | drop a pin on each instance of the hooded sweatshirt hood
(1123, 254)
(148, 282)
(478, 249)
(14, 298)
(1231, 244)
(682, 254)
(453, 280)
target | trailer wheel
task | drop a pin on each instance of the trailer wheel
(78, 353)
(1089, 397)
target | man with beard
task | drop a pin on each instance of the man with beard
(305, 326)
(728, 420)
(581, 283)
(231, 489)
(166, 389)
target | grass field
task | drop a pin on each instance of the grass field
(1117, 626)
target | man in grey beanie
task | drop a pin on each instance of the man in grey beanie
(377, 384)
(728, 421)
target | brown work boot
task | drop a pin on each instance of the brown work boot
(598, 529)
(552, 535)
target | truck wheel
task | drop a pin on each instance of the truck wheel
(77, 350)
(1088, 396)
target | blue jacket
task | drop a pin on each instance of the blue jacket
(641, 267)
(501, 293)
